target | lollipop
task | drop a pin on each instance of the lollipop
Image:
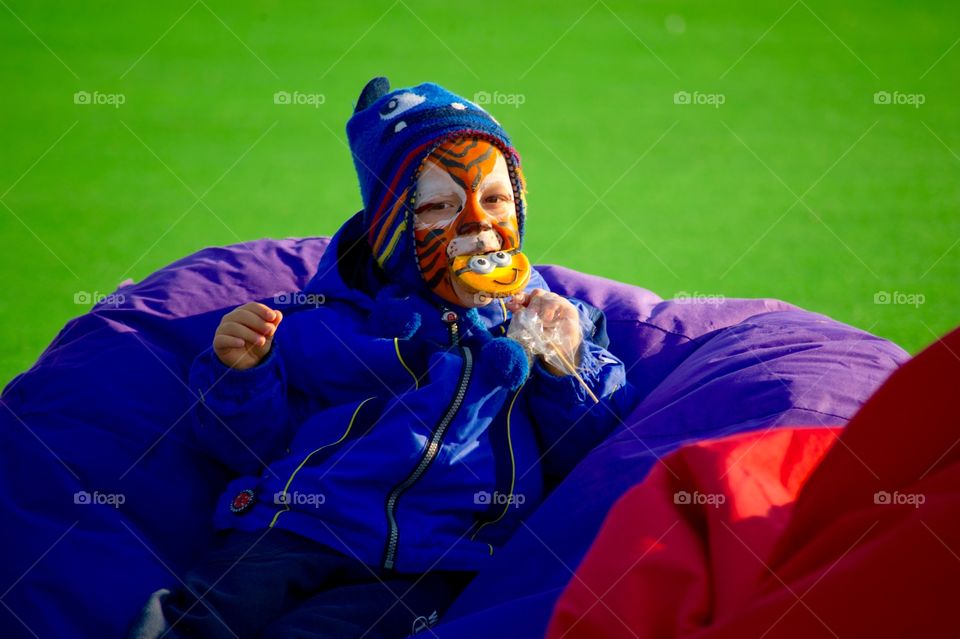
(495, 274)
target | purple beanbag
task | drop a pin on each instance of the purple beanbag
(106, 498)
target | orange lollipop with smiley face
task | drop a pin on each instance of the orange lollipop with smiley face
(496, 274)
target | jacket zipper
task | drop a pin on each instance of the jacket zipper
(433, 448)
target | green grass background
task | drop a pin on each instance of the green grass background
(692, 198)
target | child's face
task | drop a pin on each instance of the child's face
(464, 206)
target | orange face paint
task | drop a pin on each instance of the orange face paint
(465, 224)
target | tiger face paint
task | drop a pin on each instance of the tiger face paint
(465, 224)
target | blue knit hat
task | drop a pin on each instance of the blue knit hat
(390, 134)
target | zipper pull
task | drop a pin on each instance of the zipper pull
(450, 317)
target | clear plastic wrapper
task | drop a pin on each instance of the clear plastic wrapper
(539, 339)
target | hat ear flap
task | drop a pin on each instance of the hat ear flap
(375, 89)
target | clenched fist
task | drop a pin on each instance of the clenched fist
(245, 335)
(560, 318)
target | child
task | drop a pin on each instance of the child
(386, 433)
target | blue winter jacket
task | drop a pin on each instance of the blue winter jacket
(407, 452)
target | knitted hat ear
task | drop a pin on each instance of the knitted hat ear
(375, 89)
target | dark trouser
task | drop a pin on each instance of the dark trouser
(285, 586)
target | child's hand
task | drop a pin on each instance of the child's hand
(245, 335)
(559, 316)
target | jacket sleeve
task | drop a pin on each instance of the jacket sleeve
(569, 423)
(242, 417)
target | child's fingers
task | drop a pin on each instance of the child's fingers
(523, 299)
(220, 340)
(516, 302)
(261, 310)
(235, 329)
(538, 305)
(553, 307)
(535, 294)
(254, 322)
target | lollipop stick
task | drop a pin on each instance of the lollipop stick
(573, 371)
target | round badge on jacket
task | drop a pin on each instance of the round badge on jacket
(242, 502)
